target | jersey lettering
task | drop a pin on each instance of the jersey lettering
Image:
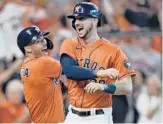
(94, 66)
(101, 68)
(86, 64)
(102, 81)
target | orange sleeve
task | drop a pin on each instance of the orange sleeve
(6, 116)
(123, 65)
(67, 47)
(49, 68)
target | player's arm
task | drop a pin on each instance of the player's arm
(73, 71)
(124, 83)
(123, 86)
(120, 87)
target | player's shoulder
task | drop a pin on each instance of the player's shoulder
(47, 60)
(110, 46)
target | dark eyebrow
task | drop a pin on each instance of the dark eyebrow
(80, 18)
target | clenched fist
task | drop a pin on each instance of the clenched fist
(93, 87)
(111, 73)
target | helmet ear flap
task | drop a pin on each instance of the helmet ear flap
(73, 23)
(49, 43)
(99, 23)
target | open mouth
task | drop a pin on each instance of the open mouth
(44, 50)
(80, 29)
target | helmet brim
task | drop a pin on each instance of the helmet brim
(44, 33)
(72, 16)
(41, 34)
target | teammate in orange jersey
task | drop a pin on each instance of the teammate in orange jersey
(89, 57)
(17, 111)
(40, 75)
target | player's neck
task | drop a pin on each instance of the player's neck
(93, 37)
(33, 56)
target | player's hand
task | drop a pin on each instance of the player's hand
(93, 87)
(111, 72)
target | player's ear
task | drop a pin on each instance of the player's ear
(95, 21)
(28, 49)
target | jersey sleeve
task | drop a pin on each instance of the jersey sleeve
(49, 68)
(68, 47)
(123, 65)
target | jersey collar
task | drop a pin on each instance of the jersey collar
(93, 45)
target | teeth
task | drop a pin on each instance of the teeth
(80, 29)
(44, 49)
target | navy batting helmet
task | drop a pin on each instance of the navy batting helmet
(86, 9)
(30, 35)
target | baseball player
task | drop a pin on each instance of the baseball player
(90, 57)
(40, 75)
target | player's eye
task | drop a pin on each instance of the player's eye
(42, 40)
(80, 18)
(37, 41)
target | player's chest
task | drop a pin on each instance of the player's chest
(94, 59)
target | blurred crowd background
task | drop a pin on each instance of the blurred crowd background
(134, 25)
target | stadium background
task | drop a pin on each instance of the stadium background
(135, 25)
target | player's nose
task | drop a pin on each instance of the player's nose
(44, 42)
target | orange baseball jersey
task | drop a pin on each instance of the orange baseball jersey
(2, 97)
(42, 89)
(98, 55)
(13, 112)
(5, 115)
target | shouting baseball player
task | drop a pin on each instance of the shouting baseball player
(90, 57)
(40, 74)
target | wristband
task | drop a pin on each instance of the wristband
(109, 88)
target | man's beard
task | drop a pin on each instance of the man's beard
(88, 32)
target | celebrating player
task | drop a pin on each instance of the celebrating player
(40, 74)
(89, 57)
